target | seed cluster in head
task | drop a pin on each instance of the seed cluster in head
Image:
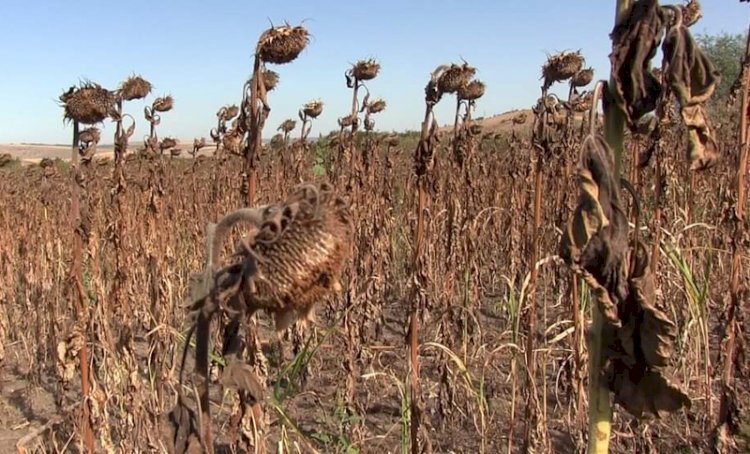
(376, 106)
(365, 69)
(88, 104)
(163, 104)
(90, 135)
(302, 243)
(287, 126)
(270, 79)
(455, 77)
(134, 87)
(471, 91)
(583, 77)
(283, 44)
(560, 67)
(167, 143)
(313, 109)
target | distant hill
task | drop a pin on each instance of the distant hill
(500, 122)
(34, 152)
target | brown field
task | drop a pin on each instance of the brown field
(464, 280)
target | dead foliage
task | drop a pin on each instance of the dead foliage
(639, 336)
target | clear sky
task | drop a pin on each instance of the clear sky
(201, 53)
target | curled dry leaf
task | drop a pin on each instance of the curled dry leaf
(641, 350)
(693, 79)
(637, 334)
(634, 43)
(179, 429)
(595, 240)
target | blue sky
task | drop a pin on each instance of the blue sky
(201, 53)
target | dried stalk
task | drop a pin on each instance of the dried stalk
(77, 290)
(737, 287)
(600, 407)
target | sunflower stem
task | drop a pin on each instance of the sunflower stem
(600, 407)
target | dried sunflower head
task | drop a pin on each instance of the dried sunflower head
(88, 104)
(287, 126)
(376, 106)
(304, 242)
(226, 113)
(365, 69)
(456, 76)
(89, 135)
(281, 45)
(471, 91)
(560, 67)
(313, 109)
(583, 77)
(163, 104)
(270, 79)
(135, 87)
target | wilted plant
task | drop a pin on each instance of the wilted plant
(372, 107)
(303, 243)
(277, 45)
(631, 336)
(152, 113)
(360, 72)
(307, 113)
(286, 127)
(198, 145)
(225, 114)
(167, 144)
(423, 163)
(561, 67)
(737, 223)
(87, 104)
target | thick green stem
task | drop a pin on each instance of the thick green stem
(600, 407)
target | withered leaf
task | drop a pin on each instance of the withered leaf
(596, 236)
(240, 376)
(645, 394)
(693, 79)
(181, 430)
(634, 43)
(647, 333)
